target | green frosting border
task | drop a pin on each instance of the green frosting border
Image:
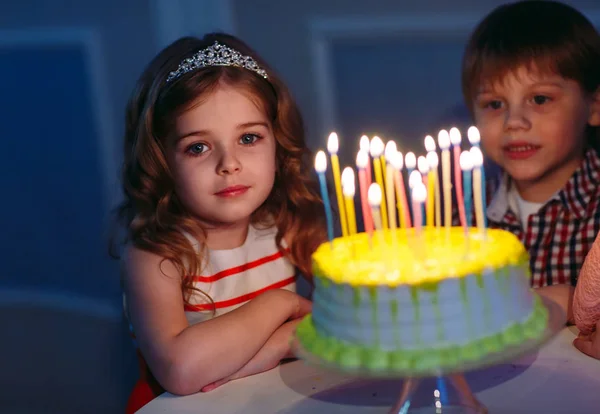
(419, 361)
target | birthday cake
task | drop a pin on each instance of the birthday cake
(407, 301)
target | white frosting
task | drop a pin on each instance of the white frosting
(426, 317)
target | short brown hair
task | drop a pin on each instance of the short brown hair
(552, 36)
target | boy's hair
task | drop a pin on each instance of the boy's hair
(154, 218)
(549, 36)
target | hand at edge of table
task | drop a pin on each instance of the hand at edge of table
(270, 355)
(589, 344)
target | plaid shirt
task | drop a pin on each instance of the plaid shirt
(559, 236)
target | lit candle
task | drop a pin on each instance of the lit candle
(433, 161)
(375, 199)
(423, 167)
(479, 188)
(397, 162)
(376, 152)
(321, 167)
(419, 195)
(455, 139)
(365, 145)
(444, 144)
(475, 139)
(390, 151)
(332, 148)
(410, 161)
(466, 165)
(349, 189)
(415, 179)
(362, 162)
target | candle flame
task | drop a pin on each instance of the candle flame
(397, 161)
(455, 137)
(422, 164)
(419, 193)
(476, 156)
(414, 178)
(374, 195)
(433, 160)
(466, 161)
(376, 147)
(321, 162)
(362, 159)
(348, 185)
(429, 143)
(365, 144)
(390, 150)
(410, 160)
(473, 135)
(443, 139)
(333, 143)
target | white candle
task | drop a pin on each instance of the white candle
(375, 198)
(349, 189)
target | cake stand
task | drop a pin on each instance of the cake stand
(443, 391)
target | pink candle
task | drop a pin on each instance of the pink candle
(455, 139)
(365, 145)
(419, 195)
(362, 160)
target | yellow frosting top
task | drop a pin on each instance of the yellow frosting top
(403, 257)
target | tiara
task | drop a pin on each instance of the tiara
(216, 55)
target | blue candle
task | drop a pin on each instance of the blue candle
(321, 167)
(466, 165)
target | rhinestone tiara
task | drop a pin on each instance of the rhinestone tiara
(216, 55)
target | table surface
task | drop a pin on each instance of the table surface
(556, 379)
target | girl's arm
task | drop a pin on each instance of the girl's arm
(277, 347)
(185, 358)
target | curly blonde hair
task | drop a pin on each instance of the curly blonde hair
(154, 218)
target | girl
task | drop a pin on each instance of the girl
(219, 211)
(586, 304)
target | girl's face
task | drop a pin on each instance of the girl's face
(533, 125)
(222, 158)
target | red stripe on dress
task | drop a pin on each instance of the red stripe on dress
(238, 269)
(240, 299)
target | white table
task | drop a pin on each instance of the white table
(557, 379)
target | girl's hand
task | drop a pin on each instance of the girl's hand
(589, 344)
(274, 350)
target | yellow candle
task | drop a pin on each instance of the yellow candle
(423, 166)
(390, 152)
(444, 144)
(397, 162)
(349, 189)
(332, 147)
(433, 161)
(376, 151)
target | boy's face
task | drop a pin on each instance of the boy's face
(533, 125)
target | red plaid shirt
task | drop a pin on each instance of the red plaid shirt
(559, 236)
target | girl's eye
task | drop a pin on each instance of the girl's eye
(540, 99)
(197, 149)
(249, 139)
